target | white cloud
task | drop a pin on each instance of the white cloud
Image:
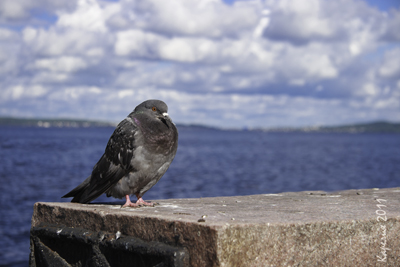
(273, 62)
(13, 10)
(391, 64)
(186, 50)
(22, 12)
(125, 93)
(61, 64)
(18, 92)
(137, 43)
(196, 18)
(89, 15)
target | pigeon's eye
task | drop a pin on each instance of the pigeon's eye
(153, 109)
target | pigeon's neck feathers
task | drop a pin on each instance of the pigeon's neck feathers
(135, 112)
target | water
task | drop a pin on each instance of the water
(38, 164)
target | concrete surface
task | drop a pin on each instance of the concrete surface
(315, 228)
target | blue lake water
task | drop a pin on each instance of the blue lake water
(43, 164)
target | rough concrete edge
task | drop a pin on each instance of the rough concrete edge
(335, 243)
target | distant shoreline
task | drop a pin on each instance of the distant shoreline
(47, 123)
(373, 127)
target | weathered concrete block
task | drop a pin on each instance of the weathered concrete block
(347, 228)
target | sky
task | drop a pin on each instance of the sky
(231, 64)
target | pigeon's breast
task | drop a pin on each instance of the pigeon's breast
(160, 138)
(148, 161)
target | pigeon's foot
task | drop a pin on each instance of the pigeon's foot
(128, 203)
(141, 202)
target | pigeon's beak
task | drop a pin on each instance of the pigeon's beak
(164, 117)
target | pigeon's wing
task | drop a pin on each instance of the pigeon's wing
(112, 166)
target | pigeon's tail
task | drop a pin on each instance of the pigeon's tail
(79, 191)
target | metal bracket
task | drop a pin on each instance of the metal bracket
(57, 245)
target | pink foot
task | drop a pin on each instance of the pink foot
(128, 203)
(141, 202)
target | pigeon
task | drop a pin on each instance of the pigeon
(137, 155)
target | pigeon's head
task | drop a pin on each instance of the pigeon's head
(154, 107)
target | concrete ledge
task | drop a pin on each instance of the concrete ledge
(347, 228)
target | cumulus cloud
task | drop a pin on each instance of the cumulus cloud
(20, 13)
(251, 63)
(391, 64)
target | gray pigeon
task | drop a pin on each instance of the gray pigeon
(137, 155)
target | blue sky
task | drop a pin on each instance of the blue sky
(384, 5)
(223, 63)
